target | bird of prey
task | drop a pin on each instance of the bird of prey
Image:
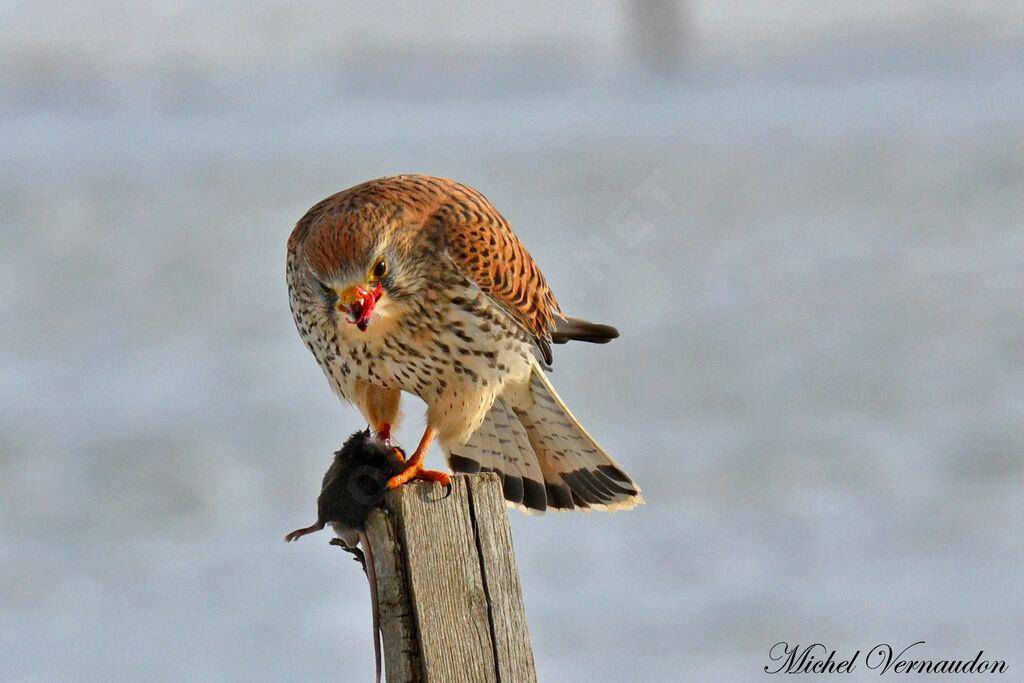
(417, 284)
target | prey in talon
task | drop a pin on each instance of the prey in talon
(354, 484)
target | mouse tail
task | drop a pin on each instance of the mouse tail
(371, 574)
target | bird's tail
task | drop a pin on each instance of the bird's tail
(543, 455)
(573, 329)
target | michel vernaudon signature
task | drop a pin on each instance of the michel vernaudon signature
(883, 658)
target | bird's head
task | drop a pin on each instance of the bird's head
(356, 303)
(358, 267)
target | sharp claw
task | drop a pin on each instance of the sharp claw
(447, 489)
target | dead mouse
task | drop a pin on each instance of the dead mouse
(354, 484)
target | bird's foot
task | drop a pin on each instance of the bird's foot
(440, 477)
(416, 471)
(414, 465)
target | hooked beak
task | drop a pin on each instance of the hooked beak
(357, 303)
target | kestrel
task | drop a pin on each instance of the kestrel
(417, 284)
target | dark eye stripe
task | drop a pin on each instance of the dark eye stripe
(327, 291)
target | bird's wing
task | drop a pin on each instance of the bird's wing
(483, 247)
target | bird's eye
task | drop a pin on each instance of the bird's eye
(380, 269)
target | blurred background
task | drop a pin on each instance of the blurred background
(805, 218)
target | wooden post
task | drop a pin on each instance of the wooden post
(451, 605)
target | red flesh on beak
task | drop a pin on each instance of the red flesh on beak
(361, 308)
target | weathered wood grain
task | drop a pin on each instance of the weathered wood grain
(398, 629)
(450, 598)
(511, 638)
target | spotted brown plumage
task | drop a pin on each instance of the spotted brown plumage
(418, 284)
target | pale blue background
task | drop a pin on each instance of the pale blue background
(820, 288)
